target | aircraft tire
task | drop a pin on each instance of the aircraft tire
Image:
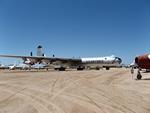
(97, 68)
(139, 76)
(107, 68)
(79, 69)
(62, 69)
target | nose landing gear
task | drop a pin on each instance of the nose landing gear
(139, 76)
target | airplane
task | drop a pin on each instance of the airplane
(22, 66)
(62, 63)
(40, 66)
(12, 66)
(133, 65)
(142, 62)
(2, 66)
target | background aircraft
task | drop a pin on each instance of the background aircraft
(18, 66)
(63, 63)
(2, 66)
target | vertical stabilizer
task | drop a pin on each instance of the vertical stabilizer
(40, 51)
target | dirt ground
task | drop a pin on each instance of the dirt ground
(88, 91)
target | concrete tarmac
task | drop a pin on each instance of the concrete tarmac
(88, 91)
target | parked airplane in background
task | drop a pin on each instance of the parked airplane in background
(142, 62)
(25, 66)
(40, 66)
(12, 66)
(62, 63)
(18, 66)
(2, 66)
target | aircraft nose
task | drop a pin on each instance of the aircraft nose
(119, 60)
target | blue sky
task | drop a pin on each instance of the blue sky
(80, 28)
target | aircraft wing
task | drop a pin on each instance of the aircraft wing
(16, 56)
(43, 59)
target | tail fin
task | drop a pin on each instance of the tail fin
(40, 51)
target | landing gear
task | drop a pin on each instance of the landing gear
(139, 76)
(80, 68)
(97, 68)
(107, 68)
(60, 69)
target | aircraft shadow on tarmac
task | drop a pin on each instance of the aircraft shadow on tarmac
(145, 79)
(145, 71)
(142, 79)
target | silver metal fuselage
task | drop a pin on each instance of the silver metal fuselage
(101, 61)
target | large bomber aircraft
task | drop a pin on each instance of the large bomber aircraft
(62, 63)
(142, 62)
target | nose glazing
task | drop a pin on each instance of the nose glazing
(119, 60)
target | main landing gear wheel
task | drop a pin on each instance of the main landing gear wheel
(80, 68)
(139, 76)
(107, 68)
(97, 68)
(62, 69)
